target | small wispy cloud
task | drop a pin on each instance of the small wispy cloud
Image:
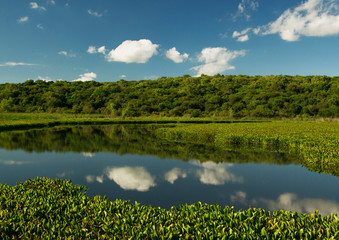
(94, 13)
(93, 50)
(46, 79)
(23, 19)
(223, 35)
(67, 54)
(241, 36)
(40, 26)
(36, 6)
(14, 64)
(244, 9)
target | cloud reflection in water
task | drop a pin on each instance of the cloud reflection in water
(174, 174)
(216, 173)
(88, 154)
(131, 178)
(289, 202)
(91, 178)
(239, 196)
(13, 162)
(138, 178)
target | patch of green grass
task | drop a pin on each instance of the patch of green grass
(55, 209)
(12, 121)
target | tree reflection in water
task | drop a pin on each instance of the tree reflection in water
(129, 139)
(133, 162)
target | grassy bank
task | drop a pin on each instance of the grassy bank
(316, 142)
(56, 209)
(14, 121)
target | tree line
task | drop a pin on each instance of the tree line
(231, 96)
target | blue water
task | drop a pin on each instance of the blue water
(165, 182)
(168, 182)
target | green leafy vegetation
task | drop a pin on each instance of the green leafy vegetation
(42, 208)
(205, 96)
(316, 142)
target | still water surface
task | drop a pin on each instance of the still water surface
(131, 162)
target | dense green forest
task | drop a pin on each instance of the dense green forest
(225, 96)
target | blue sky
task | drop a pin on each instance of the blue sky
(109, 40)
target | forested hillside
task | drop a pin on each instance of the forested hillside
(227, 96)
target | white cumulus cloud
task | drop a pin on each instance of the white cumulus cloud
(36, 6)
(175, 56)
(243, 38)
(131, 178)
(62, 53)
(216, 60)
(23, 19)
(86, 77)
(102, 50)
(92, 50)
(313, 18)
(131, 51)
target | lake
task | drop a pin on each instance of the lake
(131, 162)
